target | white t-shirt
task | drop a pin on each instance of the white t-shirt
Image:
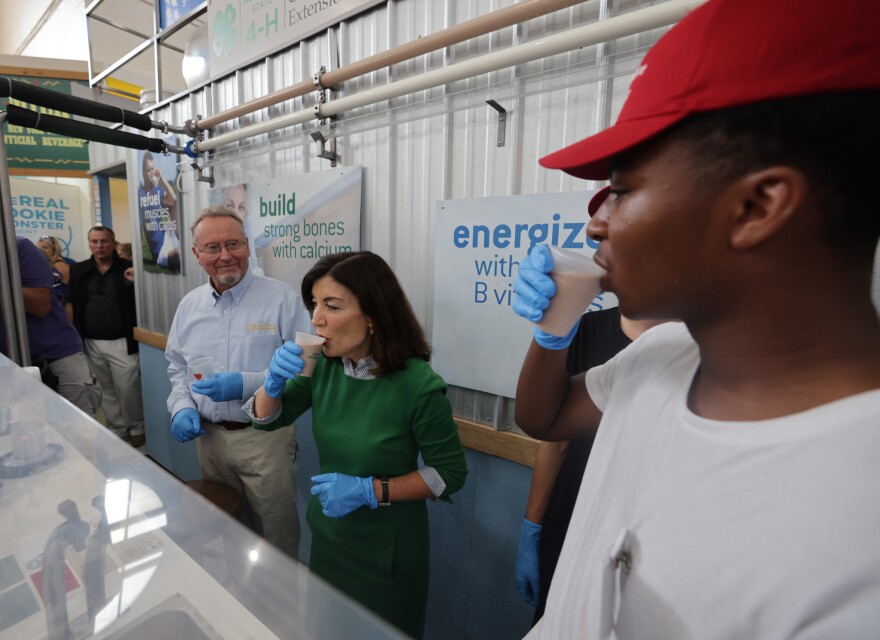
(767, 529)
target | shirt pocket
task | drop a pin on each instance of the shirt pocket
(255, 349)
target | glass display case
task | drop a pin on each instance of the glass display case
(97, 540)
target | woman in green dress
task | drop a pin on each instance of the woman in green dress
(376, 405)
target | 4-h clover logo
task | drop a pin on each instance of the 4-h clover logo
(224, 32)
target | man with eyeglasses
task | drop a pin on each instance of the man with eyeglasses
(101, 305)
(238, 318)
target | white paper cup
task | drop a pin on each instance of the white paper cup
(577, 282)
(200, 369)
(311, 351)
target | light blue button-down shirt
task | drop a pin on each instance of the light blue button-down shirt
(241, 329)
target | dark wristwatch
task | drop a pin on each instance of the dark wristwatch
(384, 502)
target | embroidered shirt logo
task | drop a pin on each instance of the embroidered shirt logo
(262, 327)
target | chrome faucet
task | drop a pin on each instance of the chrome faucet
(73, 532)
(96, 554)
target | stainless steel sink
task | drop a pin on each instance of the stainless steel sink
(174, 617)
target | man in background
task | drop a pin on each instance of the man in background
(238, 319)
(55, 346)
(101, 305)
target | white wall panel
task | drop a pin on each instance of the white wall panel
(416, 150)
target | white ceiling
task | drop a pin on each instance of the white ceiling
(57, 29)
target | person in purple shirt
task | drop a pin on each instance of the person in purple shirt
(54, 343)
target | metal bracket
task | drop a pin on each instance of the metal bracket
(326, 148)
(317, 77)
(321, 93)
(209, 178)
(202, 175)
(172, 128)
(192, 128)
(502, 121)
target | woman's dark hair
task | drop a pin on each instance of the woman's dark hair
(397, 335)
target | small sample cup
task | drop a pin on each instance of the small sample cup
(200, 369)
(311, 351)
(577, 282)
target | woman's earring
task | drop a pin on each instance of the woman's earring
(370, 326)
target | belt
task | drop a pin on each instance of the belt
(230, 425)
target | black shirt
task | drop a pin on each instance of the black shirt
(102, 314)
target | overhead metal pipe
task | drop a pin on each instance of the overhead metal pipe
(76, 129)
(620, 26)
(87, 108)
(481, 25)
(72, 104)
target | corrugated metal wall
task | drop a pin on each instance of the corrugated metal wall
(436, 145)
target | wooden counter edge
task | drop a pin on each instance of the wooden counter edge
(158, 340)
(503, 444)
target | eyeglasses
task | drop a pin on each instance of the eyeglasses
(214, 249)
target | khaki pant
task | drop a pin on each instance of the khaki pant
(76, 382)
(261, 466)
(119, 374)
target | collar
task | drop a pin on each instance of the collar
(114, 262)
(237, 292)
(361, 368)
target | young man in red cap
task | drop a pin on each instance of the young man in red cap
(730, 491)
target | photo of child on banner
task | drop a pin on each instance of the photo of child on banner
(159, 213)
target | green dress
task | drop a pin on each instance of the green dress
(377, 427)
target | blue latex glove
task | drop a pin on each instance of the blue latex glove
(186, 425)
(285, 365)
(221, 387)
(555, 343)
(341, 494)
(534, 287)
(527, 562)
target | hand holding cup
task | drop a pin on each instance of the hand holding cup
(576, 277)
(200, 369)
(311, 346)
(286, 364)
(553, 289)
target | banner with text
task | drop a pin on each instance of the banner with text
(158, 213)
(48, 209)
(478, 341)
(241, 31)
(291, 223)
(37, 152)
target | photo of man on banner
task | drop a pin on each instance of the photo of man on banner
(159, 213)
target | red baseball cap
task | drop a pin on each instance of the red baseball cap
(733, 52)
(598, 200)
